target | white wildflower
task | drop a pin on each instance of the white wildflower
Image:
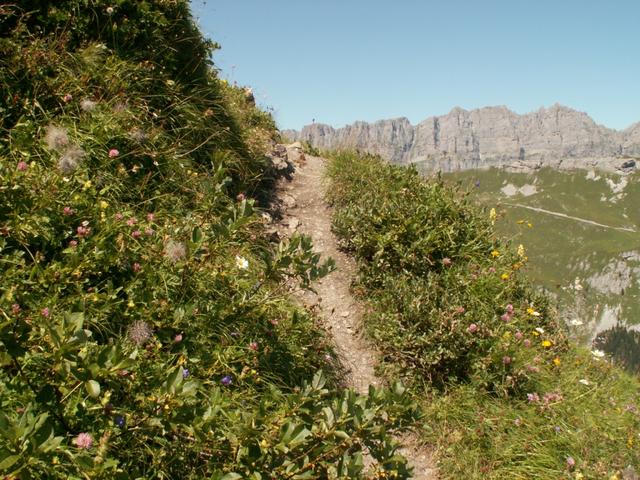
(598, 353)
(539, 329)
(576, 323)
(56, 138)
(70, 159)
(174, 251)
(87, 105)
(584, 381)
(242, 263)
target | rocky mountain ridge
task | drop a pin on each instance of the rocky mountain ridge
(557, 136)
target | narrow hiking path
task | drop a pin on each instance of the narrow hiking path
(305, 210)
(577, 219)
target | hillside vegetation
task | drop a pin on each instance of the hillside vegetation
(506, 394)
(145, 330)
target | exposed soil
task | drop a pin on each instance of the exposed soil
(304, 210)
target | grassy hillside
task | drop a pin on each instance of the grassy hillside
(506, 394)
(592, 269)
(144, 326)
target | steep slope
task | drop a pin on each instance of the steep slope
(557, 136)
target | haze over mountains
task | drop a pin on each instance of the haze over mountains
(557, 136)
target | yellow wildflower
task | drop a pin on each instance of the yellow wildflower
(521, 251)
(131, 304)
(495, 253)
(86, 185)
(535, 333)
(520, 222)
(556, 362)
(504, 276)
(492, 216)
(546, 343)
(532, 311)
(529, 225)
(104, 205)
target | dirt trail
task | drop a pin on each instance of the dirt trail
(306, 211)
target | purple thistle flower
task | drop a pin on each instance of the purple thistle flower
(22, 166)
(113, 153)
(226, 380)
(136, 234)
(472, 328)
(505, 317)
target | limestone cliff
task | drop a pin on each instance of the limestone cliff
(492, 136)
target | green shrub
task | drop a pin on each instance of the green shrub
(144, 327)
(450, 308)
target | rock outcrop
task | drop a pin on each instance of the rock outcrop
(492, 136)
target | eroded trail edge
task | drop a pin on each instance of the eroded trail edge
(305, 210)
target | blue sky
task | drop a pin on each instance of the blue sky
(338, 61)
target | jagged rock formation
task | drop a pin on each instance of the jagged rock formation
(557, 136)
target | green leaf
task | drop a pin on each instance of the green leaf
(9, 461)
(196, 235)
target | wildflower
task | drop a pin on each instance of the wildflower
(15, 309)
(139, 332)
(45, 312)
(495, 253)
(241, 197)
(506, 360)
(571, 463)
(546, 343)
(509, 308)
(492, 216)
(87, 105)
(148, 232)
(460, 310)
(119, 421)
(504, 276)
(177, 338)
(551, 397)
(67, 98)
(185, 372)
(56, 138)
(518, 335)
(151, 217)
(533, 397)
(67, 211)
(132, 221)
(446, 261)
(576, 323)
(505, 317)
(174, 251)
(557, 361)
(492, 269)
(113, 153)
(104, 205)
(136, 267)
(521, 251)
(472, 328)
(71, 159)
(86, 185)
(22, 166)
(109, 10)
(527, 343)
(138, 135)
(242, 263)
(73, 243)
(253, 346)
(598, 353)
(532, 311)
(539, 330)
(557, 429)
(83, 440)
(533, 369)
(584, 381)
(226, 380)
(136, 234)
(83, 231)
(517, 422)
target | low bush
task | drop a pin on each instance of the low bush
(507, 396)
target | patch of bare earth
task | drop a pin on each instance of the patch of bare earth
(305, 210)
